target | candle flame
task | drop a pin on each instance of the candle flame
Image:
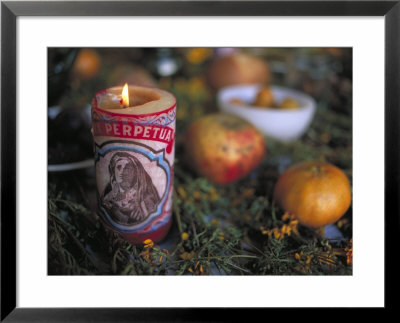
(125, 96)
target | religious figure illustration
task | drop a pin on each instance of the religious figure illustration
(130, 196)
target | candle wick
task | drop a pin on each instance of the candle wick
(124, 106)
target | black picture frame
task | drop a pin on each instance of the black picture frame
(11, 10)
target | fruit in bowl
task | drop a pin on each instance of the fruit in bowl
(223, 148)
(289, 103)
(265, 98)
(285, 117)
(237, 101)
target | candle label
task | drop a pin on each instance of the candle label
(134, 167)
(155, 126)
(134, 185)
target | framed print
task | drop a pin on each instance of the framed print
(181, 160)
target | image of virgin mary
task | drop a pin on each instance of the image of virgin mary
(130, 197)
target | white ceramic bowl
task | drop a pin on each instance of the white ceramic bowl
(284, 125)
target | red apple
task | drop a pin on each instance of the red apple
(223, 148)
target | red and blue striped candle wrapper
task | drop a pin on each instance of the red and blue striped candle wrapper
(134, 158)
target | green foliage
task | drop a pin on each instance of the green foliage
(229, 230)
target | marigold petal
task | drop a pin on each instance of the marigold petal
(196, 195)
(148, 243)
(286, 216)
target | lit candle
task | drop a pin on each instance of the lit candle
(134, 132)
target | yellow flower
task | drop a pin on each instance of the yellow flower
(148, 243)
(326, 258)
(325, 137)
(342, 223)
(248, 192)
(213, 194)
(198, 55)
(285, 230)
(198, 268)
(349, 252)
(182, 192)
(308, 260)
(146, 255)
(214, 222)
(288, 216)
(214, 197)
(304, 264)
(280, 233)
(184, 236)
(221, 236)
(197, 195)
(187, 255)
(263, 230)
(293, 226)
(212, 190)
